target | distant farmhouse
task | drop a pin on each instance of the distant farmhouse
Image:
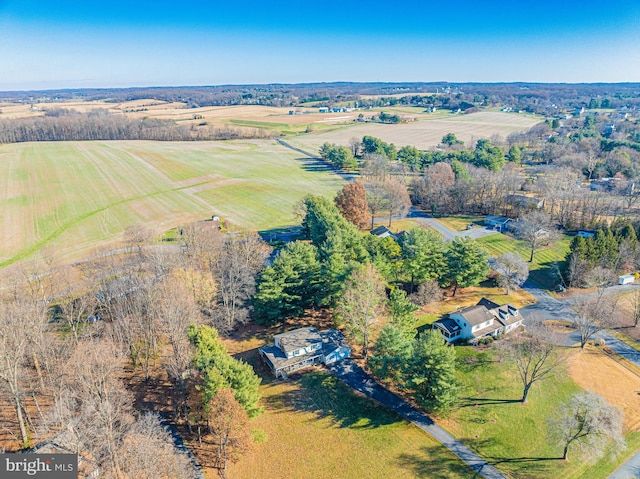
(304, 347)
(474, 322)
(527, 202)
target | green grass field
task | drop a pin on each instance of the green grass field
(541, 270)
(74, 196)
(512, 435)
(318, 427)
(459, 223)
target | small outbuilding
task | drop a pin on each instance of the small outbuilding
(626, 279)
(382, 232)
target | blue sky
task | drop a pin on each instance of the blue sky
(82, 43)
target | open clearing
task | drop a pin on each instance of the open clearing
(74, 196)
(426, 132)
(316, 426)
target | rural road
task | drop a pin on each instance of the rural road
(448, 234)
(548, 307)
(354, 377)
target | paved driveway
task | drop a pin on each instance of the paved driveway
(353, 376)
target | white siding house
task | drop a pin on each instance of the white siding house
(484, 319)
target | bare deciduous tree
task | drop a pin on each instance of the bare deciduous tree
(176, 311)
(20, 321)
(636, 308)
(96, 410)
(361, 303)
(534, 356)
(397, 195)
(376, 199)
(77, 302)
(535, 229)
(229, 426)
(594, 315)
(236, 268)
(513, 271)
(588, 423)
(429, 292)
(376, 168)
(147, 452)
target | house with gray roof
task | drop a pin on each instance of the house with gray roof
(499, 223)
(304, 347)
(474, 322)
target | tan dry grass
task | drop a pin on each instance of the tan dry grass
(470, 296)
(425, 133)
(178, 111)
(593, 370)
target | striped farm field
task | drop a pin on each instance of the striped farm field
(74, 196)
(427, 131)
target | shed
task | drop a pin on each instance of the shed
(626, 279)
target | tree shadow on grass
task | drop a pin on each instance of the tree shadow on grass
(327, 397)
(432, 463)
(517, 466)
(473, 402)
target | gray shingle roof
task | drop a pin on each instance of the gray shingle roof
(298, 339)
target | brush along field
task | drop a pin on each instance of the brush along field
(423, 131)
(253, 116)
(427, 131)
(73, 196)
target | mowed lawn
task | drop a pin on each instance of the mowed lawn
(317, 427)
(542, 268)
(513, 436)
(74, 196)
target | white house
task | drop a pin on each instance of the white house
(474, 322)
(304, 347)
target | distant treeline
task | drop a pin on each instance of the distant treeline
(67, 125)
(543, 98)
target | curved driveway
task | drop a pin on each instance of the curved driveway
(354, 377)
